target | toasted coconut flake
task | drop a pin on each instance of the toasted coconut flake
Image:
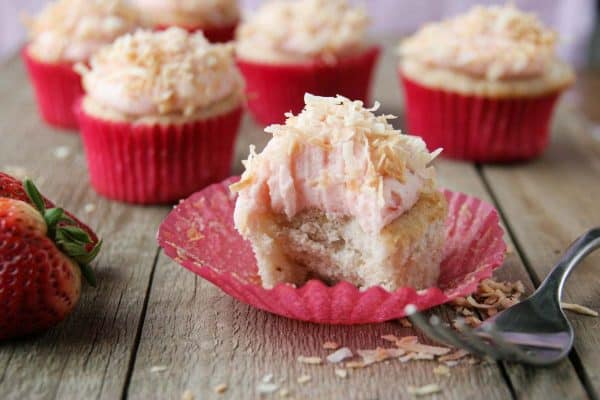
(390, 338)
(457, 355)
(267, 388)
(341, 373)
(424, 390)
(422, 348)
(220, 389)
(302, 379)
(339, 355)
(310, 360)
(331, 345)
(405, 323)
(355, 364)
(158, 368)
(442, 370)
(187, 395)
(284, 392)
(451, 364)
(579, 309)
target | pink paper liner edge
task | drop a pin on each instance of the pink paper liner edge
(342, 303)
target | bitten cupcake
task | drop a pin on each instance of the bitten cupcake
(64, 33)
(160, 115)
(217, 19)
(339, 194)
(483, 85)
(287, 49)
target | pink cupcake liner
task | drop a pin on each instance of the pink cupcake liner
(477, 128)
(274, 89)
(200, 235)
(57, 88)
(151, 164)
(216, 34)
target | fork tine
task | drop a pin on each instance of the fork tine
(436, 331)
(477, 341)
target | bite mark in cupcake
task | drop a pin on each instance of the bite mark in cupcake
(338, 194)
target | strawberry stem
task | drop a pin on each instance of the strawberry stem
(62, 230)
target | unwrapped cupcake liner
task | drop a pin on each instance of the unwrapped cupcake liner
(214, 34)
(200, 235)
(478, 128)
(156, 163)
(57, 88)
(274, 89)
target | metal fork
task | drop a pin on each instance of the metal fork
(534, 331)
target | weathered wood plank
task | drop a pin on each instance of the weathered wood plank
(560, 381)
(87, 356)
(548, 203)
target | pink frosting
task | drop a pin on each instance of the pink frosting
(312, 162)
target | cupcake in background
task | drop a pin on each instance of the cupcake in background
(160, 115)
(64, 33)
(288, 49)
(483, 85)
(217, 19)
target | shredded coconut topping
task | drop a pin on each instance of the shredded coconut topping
(188, 13)
(303, 30)
(340, 157)
(71, 30)
(168, 72)
(493, 42)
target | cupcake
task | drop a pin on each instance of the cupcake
(217, 19)
(160, 115)
(339, 195)
(64, 33)
(287, 49)
(483, 85)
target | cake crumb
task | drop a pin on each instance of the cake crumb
(579, 309)
(89, 208)
(158, 368)
(424, 390)
(187, 395)
(331, 346)
(405, 323)
(310, 360)
(442, 370)
(342, 373)
(220, 389)
(284, 392)
(302, 379)
(267, 378)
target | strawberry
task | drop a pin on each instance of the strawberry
(13, 188)
(43, 254)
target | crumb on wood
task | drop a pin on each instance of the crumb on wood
(158, 368)
(221, 388)
(424, 390)
(187, 395)
(302, 379)
(579, 309)
(310, 360)
(341, 373)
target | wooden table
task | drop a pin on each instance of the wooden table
(149, 312)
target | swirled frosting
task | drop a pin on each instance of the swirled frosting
(496, 42)
(283, 31)
(339, 157)
(72, 30)
(159, 73)
(188, 13)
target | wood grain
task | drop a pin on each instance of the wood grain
(549, 203)
(88, 355)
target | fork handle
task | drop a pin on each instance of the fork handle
(581, 247)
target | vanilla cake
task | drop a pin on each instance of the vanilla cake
(339, 195)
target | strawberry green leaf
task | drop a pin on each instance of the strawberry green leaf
(74, 234)
(88, 274)
(34, 195)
